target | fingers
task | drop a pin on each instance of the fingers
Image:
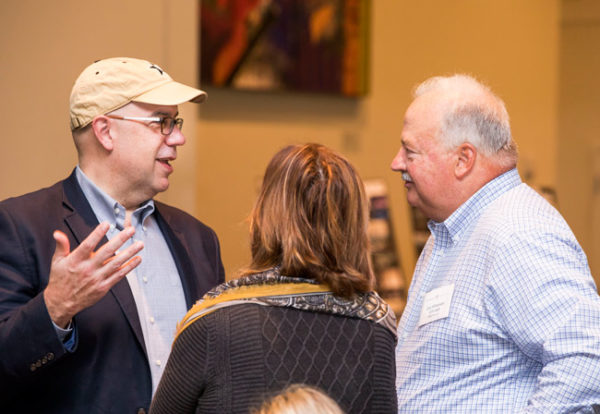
(113, 263)
(118, 266)
(121, 272)
(86, 249)
(79, 279)
(106, 259)
(87, 246)
(62, 245)
(108, 250)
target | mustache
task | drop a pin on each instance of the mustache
(406, 176)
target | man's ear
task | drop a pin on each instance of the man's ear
(466, 156)
(101, 126)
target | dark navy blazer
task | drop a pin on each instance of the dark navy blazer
(108, 371)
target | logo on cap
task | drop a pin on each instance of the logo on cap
(157, 68)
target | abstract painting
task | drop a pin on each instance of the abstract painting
(297, 45)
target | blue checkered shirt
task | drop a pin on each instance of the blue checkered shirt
(523, 330)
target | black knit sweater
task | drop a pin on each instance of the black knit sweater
(232, 359)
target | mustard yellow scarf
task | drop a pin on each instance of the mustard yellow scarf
(272, 289)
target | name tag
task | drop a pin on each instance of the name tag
(436, 304)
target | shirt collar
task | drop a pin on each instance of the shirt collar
(474, 206)
(106, 208)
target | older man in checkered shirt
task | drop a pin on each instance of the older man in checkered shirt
(502, 314)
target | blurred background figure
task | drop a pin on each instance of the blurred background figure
(300, 399)
(391, 286)
(304, 311)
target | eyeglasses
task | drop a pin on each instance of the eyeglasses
(167, 123)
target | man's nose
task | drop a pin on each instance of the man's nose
(175, 138)
(398, 161)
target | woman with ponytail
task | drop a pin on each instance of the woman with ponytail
(303, 311)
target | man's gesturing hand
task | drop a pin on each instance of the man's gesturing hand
(80, 278)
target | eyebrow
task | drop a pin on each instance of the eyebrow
(165, 114)
(408, 144)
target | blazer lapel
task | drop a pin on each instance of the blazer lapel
(177, 246)
(81, 221)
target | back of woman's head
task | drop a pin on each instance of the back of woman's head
(310, 219)
(300, 399)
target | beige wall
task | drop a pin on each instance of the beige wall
(512, 44)
(579, 139)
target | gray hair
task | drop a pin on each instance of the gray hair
(474, 114)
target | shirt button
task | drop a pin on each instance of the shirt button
(145, 279)
(158, 362)
(117, 210)
(144, 228)
(152, 319)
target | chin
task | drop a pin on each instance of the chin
(412, 201)
(162, 187)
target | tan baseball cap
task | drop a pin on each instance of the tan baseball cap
(109, 84)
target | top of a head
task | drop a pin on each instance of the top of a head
(462, 90)
(108, 84)
(470, 111)
(304, 166)
(300, 398)
(299, 177)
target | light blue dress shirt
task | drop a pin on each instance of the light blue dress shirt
(155, 283)
(523, 328)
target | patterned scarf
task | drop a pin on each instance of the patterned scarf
(270, 288)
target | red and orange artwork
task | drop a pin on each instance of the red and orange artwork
(297, 45)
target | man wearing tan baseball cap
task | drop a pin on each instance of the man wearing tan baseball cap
(94, 273)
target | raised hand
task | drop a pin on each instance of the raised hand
(80, 278)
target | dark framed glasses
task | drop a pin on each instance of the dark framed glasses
(167, 123)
